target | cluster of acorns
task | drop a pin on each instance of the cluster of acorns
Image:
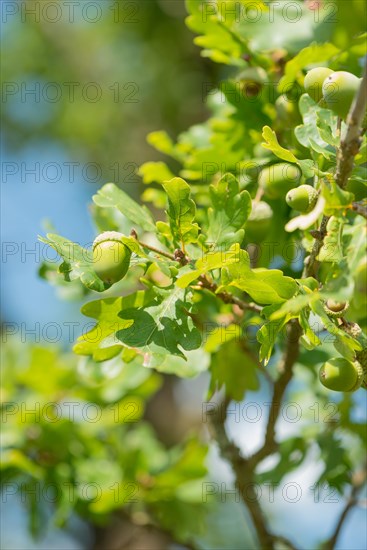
(332, 90)
(282, 180)
(111, 261)
(338, 373)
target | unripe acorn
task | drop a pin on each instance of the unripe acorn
(287, 111)
(111, 257)
(302, 198)
(339, 89)
(335, 309)
(278, 179)
(252, 80)
(314, 80)
(259, 221)
(339, 374)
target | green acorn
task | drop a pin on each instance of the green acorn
(259, 221)
(314, 80)
(276, 180)
(335, 309)
(302, 198)
(339, 90)
(339, 374)
(111, 257)
(252, 80)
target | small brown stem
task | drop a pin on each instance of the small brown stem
(134, 234)
(157, 251)
(338, 127)
(360, 208)
(312, 264)
(226, 297)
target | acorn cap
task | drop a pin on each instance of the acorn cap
(335, 309)
(302, 198)
(339, 374)
(108, 236)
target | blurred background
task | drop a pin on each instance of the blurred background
(83, 83)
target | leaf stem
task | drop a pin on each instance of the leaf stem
(173, 257)
(226, 297)
(360, 208)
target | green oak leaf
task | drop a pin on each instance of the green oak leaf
(336, 461)
(336, 198)
(195, 362)
(292, 452)
(162, 142)
(271, 143)
(317, 128)
(312, 54)
(294, 306)
(265, 286)
(77, 262)
(181, 212)
(267, 336)
(229, 213)
(332, 248)
(154, 322)
(110, 196)
(101, 342)
(308, 339)
(155, 172)
(216, 38)
(242, 375)
(344, 338)
(210, 260)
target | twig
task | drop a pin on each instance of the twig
(178, 256)
(360, 208)
(244, 468)
(312, 264)
(348, 149)
(280, 386)
(226, 297)
(351, 142)
(358, 483)
(157, 251)
(244, 476)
